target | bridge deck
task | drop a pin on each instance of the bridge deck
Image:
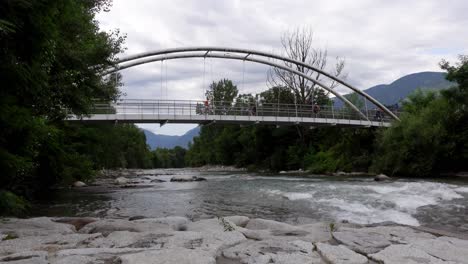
(164, 111)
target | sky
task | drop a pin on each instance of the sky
(380, 41)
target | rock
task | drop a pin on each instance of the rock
(364, 243)
(446, 248)
(137, 217)
(369, 240)
(179, 256)
(48, 243)
(339, 254)
(109, 252)
(259, 224)
(121, 180)
(26, 257)
(212, 242)
(408, 254)
(272, 251)
(381, 177)
(107, 226)
(186, 178)
(177, 223)
(77, 222)
(158, 180)
(79, 184)
(39, 226)
(77, 260)
(238, 220)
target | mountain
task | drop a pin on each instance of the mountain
(163, 141)
(390, 94)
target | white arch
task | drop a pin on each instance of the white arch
(236, 57)
(264, 54)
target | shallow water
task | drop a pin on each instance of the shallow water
(434, 203)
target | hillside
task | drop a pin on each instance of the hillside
(389, 94)
(165, 141)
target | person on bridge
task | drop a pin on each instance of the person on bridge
(207, 106)
(316, 109)
(254, 110)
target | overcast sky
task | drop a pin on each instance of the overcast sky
(380, 40)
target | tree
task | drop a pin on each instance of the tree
(298, 45)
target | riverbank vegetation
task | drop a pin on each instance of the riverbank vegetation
(51, 56)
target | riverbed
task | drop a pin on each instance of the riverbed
(436, 203)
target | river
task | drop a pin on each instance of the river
(436, 203)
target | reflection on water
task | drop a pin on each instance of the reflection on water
(295, 200)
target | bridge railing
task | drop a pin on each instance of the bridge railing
(193, 107)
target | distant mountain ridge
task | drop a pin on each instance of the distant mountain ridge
(392, 93)
(164, 141)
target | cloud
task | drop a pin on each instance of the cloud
(381, 40)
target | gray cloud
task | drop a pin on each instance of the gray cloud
(381, 40)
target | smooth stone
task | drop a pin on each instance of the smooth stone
(79, 184)
(107, 226)
(339, 254)
(121, 180)
(137, 217)
(186, 178)
(238, 220)
(26, 257)
(446, 248)
(259, 224)
(272, 251)
(76, 260)
(157, 180)
(109, 252)
(169, 256)
(38, 226)
(50, 242)
(381, 177)
(77, 222)
(368, 240)
(408, 254)
(177, 223)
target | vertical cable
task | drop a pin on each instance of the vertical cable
(161, 79)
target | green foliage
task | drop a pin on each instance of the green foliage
(168, 158)
(11, 204)
(433, 132)
(51, 56)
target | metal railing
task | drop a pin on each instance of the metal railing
(219, 108)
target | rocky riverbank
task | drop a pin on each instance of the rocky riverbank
(228, 240)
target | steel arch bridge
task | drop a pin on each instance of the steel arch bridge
(163, 111)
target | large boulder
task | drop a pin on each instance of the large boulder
(26, 257)
(238, 220)
(446, 248)
(186, 178)
(339, 254)
(39, 226)
(370, 240)
(177, 223)
(107, 226)
(381, 177)
(121, 180)
(79, 184)
(272, 251)
(167, 256)
(259, 224)
(405, 254)
(51, 242)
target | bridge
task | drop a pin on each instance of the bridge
(186, 111)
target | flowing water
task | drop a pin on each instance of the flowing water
(435, 203)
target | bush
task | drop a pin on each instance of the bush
(11, 204)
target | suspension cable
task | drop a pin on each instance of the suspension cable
(161, 79)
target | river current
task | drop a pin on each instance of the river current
(437, 203)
